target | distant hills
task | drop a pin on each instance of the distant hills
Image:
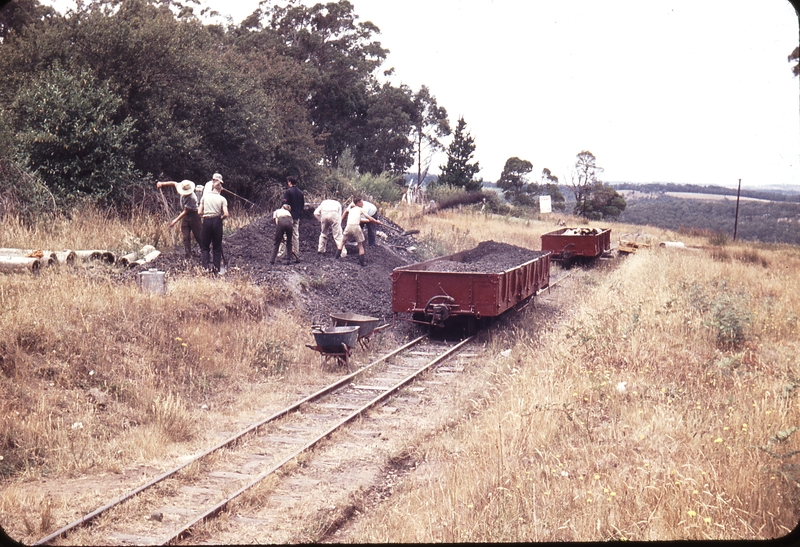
(770, 215)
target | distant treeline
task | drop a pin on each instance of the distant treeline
(659, 187)
(768, 222)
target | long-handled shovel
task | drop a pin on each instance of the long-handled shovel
(224, 266)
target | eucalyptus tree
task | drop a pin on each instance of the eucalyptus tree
(338, 56)
(514, 177)
(385, 144)
(549, 186)
(583, 179)
(428, 126)
(458, 171)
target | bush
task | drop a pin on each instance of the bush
(73, 137)
(382, 188)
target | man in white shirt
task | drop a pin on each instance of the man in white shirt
(329, 215)
(353, 228)
(213, 209)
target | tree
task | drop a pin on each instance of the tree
(514, 177)
(603, 202)
(74, 137)
(550, 187)
(428, 125)
(458, 171)
(14, 16)
(385, 144)
(338, 57)
(583, 177)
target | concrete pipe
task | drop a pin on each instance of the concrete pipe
(85, 256)
(127, 260)
(19, 264)
(29, 253)
(66, 257)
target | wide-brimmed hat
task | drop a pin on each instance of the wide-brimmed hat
(217, 176)
(185, 187)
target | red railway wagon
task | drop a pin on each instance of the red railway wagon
(570, 244)
(436, 294)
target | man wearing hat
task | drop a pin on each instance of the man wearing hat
(189, 217)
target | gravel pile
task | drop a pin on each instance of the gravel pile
(487, 257)
(320, 284)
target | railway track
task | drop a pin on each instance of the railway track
(167, 508)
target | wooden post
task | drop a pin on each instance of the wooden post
(736, 221)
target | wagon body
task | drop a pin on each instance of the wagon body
(569, 243)
(422, 288)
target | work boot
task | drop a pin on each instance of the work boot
(362, 259)
(338, 254)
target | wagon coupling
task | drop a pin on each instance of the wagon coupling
(438, 312)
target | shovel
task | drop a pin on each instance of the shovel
(224, 266)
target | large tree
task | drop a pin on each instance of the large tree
(583, 178)
(338, 55)
(428, 125)
(385, 144)
(514, 177)
(458, 171)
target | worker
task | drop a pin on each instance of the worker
(372, 211)
(189, 217)
(353, 228)
(213, 209)
(294, 198)
(283, 229)
(329, 215)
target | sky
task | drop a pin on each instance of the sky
(683, 91)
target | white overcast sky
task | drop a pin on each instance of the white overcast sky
(684, 91)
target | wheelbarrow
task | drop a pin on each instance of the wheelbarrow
(367, 326)
(334, 343)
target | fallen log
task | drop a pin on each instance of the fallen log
(19, 264)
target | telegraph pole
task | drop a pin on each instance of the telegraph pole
(736, 222)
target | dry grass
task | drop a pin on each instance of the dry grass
(699, 444)
(97, 376)
(661, 409)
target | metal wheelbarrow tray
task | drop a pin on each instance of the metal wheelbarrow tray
(367, 325)
(334, 343)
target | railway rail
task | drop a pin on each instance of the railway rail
(165, 509)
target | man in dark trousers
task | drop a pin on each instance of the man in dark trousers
(189, 218)
(294, 198)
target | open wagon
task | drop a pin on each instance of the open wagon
(367, 326)
(334, 343)
(470, 286)
(572, 244)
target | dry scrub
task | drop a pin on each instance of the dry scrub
(663, 408)
(97, 377)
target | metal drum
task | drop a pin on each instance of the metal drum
(153, 281)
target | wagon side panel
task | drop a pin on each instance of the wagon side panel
(472, 293)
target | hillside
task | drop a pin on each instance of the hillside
(762, 221)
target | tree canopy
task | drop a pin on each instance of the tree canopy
(287, 91)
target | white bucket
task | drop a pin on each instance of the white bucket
(153, 281)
